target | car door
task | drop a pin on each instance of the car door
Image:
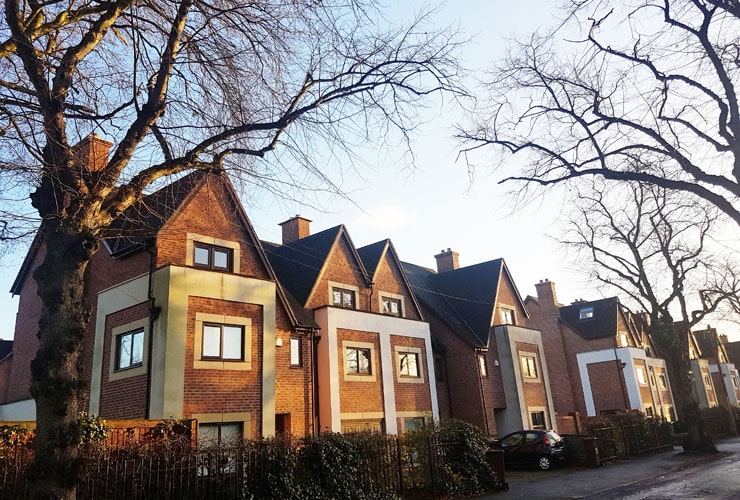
(512, 444)
(530, 447)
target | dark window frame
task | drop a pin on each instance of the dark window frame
(134, 334)
(212, 250)
(342, 293)
(349, 368)
(390, 301)
(220, 357)
(405, 355)
(529, 366)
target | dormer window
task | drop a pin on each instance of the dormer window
(212, 257)
(586, 312)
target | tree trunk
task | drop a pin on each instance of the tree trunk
(55, 383)
(672, 343)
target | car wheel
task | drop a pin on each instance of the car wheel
(544, 463)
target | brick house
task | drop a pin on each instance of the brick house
(602, 360)
(725, 380)
(187, 320)
(374, 357)
(491, 364)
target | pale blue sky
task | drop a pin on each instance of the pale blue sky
(434, 207)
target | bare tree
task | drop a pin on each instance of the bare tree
(637, 90)
(655, 246)
(180, 85)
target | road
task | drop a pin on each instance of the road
(716, 480)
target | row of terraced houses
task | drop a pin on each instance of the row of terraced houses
(194, 317)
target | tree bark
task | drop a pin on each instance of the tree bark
(672, 343)
(55, 370)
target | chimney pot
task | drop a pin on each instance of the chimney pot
(447, 261)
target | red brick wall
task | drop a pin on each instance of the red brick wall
(125, 398)
(411, 396)
(5, 366)
(210, 212)
(607, 386)
(388, 278)
(360, 396)
(293, 385)
(229, 391)
(534, 392)
(25, 342)
(340, 267)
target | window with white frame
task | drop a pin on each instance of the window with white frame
(343, 297)
(641, 375)
(129, 349)
(391, 306)
(408, 364)
(529, 365)
(296, 357)
(508, 316)
(538, 419)
(225, 342)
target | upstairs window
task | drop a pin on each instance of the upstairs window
(482, 365)
(358, 361)
(586, 312)
(296, 359)
(662, 382)
(529, 366)
(224, 342)
(213, 257)
(343, 297)
(641, 376)
(707, 381)
(507, 316)
(130, 349)
(408, 364)
(391, 306)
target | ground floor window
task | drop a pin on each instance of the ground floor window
(413, 424)
(538, 419)
(219, 434)
(362, 426)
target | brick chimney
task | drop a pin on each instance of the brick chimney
(723, 338)
(447, 260)
(294, 229)
(546, 292)
(92, 152)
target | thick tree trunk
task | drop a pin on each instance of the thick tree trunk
(672, 343)
(55, 381)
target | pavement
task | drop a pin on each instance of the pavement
(571, 482)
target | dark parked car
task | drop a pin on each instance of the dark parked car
(542, 448)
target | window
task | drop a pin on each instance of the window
(734, 382)
(296, 358)
(439, 369)
(652, 380)
(707, 381)
(538, 419)
(649, 412)
(224, 342)
(342, 297)
(529, 366)
(130, 349)
(623, 340)
(408, 363)
(662, 382)
(641, 375)
(391, 306)
(212, 257)
(413, 423)
(586, 312)
(507, 316)
(482, 365)
(222, 433)
(358, 361)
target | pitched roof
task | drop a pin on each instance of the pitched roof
(372, 255)
(142, 220)
(298, 265)
(6, 348)
(602, 321)
(463, 298)
(709, 343)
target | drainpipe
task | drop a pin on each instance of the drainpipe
(478, 352)
(316, 424)
(370, 300)
(153, 314)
